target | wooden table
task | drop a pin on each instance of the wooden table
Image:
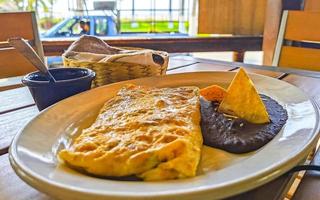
(17, 108)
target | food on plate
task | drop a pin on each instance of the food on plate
(152, 133)
(237, 135)
(213, 93)
(157, 133)
(244, 121)
(242, 100)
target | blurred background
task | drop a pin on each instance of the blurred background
(66, 19)
(123, 16)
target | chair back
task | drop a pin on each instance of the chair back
(298, 43)
(17, 24)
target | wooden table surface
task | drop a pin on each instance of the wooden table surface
(17, 108)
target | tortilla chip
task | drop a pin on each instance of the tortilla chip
(243, 100)
(213, 93)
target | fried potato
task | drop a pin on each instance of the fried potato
(243, 100)
(213, 93)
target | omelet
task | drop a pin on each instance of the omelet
(151, 133)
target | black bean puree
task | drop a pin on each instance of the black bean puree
(237, 135)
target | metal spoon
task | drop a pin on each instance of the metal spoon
(28, 52)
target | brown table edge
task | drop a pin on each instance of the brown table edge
(287, 71)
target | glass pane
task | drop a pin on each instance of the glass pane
(76, 29)
(125, 4)
(61, 18)
(101, 26)
(145, 4)
(176, 4)
(67, 27)
(163, 4)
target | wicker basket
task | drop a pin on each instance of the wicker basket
(111, 72)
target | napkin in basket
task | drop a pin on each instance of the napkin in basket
(114, 64)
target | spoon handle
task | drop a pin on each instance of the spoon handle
(28, 52)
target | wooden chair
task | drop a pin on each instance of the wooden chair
(298, 41)
(17, 24)
(274, 11)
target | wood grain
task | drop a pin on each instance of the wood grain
(14, 99)
(301, 25)
(25, 49)
(14, 64)
(16, 24)
(10, 83)
(249, 17)
(212, 13)
(22, 25)
(300, 58)
(12, 187)
(172, 45)
(309, 85)
(176, 62)
(185, 57)
(264, 72)
(238, 17)
(200, 67)
(271, 29)
(308, 188)
(277, 186)
(282, 70)
(312, 5)
(272, 23)
(11, 123)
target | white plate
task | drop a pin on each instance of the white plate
(33, 150)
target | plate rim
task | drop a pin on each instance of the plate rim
(281, 168)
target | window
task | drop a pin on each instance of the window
(66, 28)
(101, 26)
(76, 30)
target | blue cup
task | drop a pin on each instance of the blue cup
(69, 81)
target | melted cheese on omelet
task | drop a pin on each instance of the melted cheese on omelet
(153, 133)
